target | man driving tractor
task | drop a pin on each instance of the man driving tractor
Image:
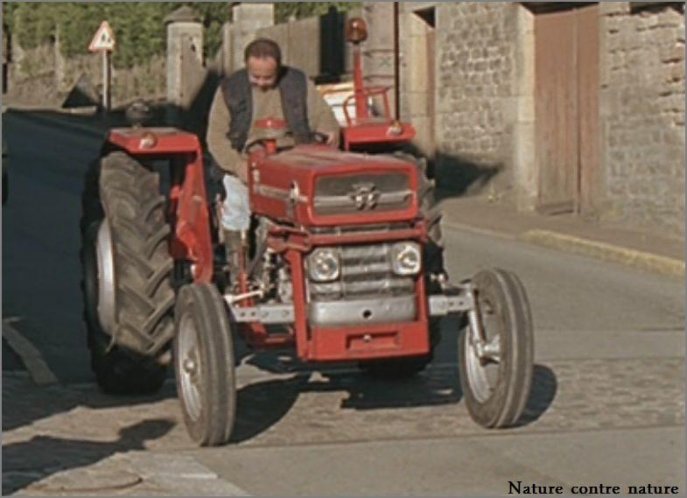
(263, 89)
(266, 88)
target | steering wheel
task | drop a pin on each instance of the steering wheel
(275, 130)
(269, 130)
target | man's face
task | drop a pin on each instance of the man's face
(262, 72)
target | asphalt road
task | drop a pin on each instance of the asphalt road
(607, 404)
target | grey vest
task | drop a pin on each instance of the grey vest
(293, 88)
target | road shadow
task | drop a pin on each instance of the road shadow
(430, 388)
(542, 393)
(23, 402)
(46, 455)
(263, 404)
(456, 175)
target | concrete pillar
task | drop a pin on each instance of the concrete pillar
(227, 56)
(248, 19)
(185, 65)
(520, 112)
(59, 63)
(418, 72)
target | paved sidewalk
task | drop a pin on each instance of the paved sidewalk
(570, 233)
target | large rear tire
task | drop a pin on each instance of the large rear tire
(204, 365)
(496, 386)
(126, 284)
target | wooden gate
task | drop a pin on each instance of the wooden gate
(566, 106)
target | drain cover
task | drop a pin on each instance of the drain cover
(88, 481)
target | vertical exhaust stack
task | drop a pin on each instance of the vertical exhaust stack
(356, 33)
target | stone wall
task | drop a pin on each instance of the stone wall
(475, 82)
(643, 116)
(42, 76)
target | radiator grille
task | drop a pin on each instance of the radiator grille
(335, 195)
(365, 272)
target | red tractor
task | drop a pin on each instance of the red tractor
(333, 270)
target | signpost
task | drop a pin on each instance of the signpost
(104, 42)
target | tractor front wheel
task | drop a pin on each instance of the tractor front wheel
(496, 369)
(204, 364)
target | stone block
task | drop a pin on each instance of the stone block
(279, 33)
(425, 137)
(304, 45)
(669, 18)
(258, 13)
(414, 25)
(416, 59)
(418, 104)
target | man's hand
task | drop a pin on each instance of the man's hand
(328, 137)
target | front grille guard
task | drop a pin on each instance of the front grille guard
(460, 300)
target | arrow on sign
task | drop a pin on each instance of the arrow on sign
(103, 39)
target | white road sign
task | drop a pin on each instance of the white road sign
(103, 39)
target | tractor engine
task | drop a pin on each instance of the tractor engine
(357, 271)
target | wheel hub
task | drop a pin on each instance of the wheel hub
(483, 358)
(189, 367)
(106, 278)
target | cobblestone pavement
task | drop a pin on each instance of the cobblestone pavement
(57, 438)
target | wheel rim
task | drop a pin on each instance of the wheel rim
(483, 373)
(189, 366)
(106, 278)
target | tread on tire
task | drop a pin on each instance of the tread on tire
(123, 193)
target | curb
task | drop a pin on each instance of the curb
(606, 252)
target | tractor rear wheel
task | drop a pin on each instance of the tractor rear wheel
(204, 364)
(126, 284)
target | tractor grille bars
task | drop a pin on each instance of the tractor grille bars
(365, 272)
(336, 195)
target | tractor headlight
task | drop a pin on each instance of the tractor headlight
(323, 265)
(406, 258)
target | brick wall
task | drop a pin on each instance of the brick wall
(476, 78)
(643, 116)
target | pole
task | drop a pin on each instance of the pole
(361, 111)
(397, 66)
(106, 80)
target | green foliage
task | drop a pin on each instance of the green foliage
(283, 11)
(139, 27)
